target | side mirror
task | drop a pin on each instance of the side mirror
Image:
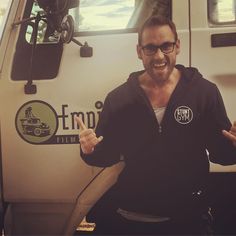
(67, 29)
(66, 36)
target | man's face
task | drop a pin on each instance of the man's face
(160, 65)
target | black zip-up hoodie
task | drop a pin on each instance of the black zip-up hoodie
(166, 164)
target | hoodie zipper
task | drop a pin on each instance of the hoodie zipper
(160, 129)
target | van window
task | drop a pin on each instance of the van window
(222, 12)
(46, 58)
(99, 16)
(4, 9)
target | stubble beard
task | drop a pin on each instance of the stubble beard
(159, 78)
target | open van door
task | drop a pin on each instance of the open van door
(59, 59)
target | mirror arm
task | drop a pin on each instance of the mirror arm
(77, 42)
(26, 20)
(31, 88)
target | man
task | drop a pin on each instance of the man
(160, 122)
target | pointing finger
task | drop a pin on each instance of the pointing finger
(80, 123)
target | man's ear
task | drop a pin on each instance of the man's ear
(139, 51)
(177, 46)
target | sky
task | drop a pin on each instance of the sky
(105, 15)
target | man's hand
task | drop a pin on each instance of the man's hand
(231, 135)
(87, 137)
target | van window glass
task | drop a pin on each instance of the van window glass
(107, 15)
(4, 9)
(44, 34)
(222, 12)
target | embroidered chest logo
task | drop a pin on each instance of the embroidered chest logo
(183, 115)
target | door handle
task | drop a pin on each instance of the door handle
(223, 40)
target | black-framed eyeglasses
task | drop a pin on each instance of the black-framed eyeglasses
(151, 49)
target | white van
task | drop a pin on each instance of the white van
(59, 59)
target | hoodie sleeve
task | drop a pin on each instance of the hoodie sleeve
(106, 152)
(221, 150)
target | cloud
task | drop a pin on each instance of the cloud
(89, 3)
(122, 11)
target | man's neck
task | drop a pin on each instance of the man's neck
(145, 80)
(159, 93)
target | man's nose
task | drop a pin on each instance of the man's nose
(159, 54)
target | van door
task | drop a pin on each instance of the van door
(213, 50)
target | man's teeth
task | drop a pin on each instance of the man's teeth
(159, 64)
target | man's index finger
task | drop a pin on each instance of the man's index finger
(80, 123)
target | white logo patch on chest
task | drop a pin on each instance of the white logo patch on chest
(183, 115)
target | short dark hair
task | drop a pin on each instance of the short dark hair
(156, 21)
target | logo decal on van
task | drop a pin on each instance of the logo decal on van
(36, 122)
(183, 115)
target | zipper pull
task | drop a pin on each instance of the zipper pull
(160, 129)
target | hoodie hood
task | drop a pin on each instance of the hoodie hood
(187, 73)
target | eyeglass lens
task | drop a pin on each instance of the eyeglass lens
(151, 49)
